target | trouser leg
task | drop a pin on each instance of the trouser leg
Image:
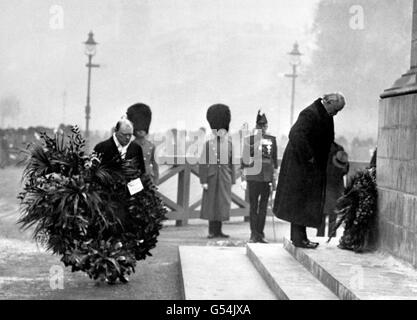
(321, 229)
(298, 233)
(215, 227)
(332, 223)
(254, 193)
(263, 207)
(218, 227)
(212, 227)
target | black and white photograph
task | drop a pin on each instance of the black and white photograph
(221, 152)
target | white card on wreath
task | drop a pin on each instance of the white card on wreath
(135, 186)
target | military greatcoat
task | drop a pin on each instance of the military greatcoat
(217, 170)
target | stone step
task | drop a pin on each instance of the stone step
(286, 277)
(354, 276)
(220, 273)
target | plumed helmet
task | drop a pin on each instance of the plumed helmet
(261, 118)
(140, 115)
(218, 116)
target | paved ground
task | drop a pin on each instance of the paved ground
(25, 269)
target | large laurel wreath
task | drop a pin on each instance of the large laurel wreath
(357, 210)
(82, 210)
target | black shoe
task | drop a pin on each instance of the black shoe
(314, 243)
(124, 279)
(211, 236)
(305, 244)
(222, 235)
(253, 240)
(111, 280)
(262, 240)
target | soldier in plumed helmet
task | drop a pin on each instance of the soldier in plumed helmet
(301, 189)
(216, 169)
(260, 178)
(140, 115)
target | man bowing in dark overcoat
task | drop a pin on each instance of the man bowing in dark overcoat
(301, 185)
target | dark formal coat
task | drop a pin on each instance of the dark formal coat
(335, 184)
(301, 185)
(217, 170)
(109, 152)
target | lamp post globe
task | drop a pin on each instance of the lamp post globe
(90, 45)
(295, 55)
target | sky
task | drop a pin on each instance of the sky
(178, 56)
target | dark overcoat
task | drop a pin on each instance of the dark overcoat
(301, 185)
(217, 170)
(109, 152)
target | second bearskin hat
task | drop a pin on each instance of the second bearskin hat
(261, 118)
(218, 116)
(140, 115)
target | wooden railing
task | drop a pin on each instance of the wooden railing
(181, 210)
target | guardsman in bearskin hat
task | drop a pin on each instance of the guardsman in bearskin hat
(261, 148)
(141, 116)
(217, 173)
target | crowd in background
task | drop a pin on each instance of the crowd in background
(13, 141)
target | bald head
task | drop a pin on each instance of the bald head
(124, 131)
(333, 103)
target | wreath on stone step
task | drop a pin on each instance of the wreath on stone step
(82, 210)
(357, 209)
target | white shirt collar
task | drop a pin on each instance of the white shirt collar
(122, 149)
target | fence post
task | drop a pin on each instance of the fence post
(183, 196)
(246, 218)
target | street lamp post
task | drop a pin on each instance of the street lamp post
(295, 60)
(90, 51)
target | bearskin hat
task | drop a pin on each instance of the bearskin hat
(140, 115)
(218, 116)
(261, 118)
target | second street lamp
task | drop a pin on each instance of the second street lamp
(90, 51)
(295, 61)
